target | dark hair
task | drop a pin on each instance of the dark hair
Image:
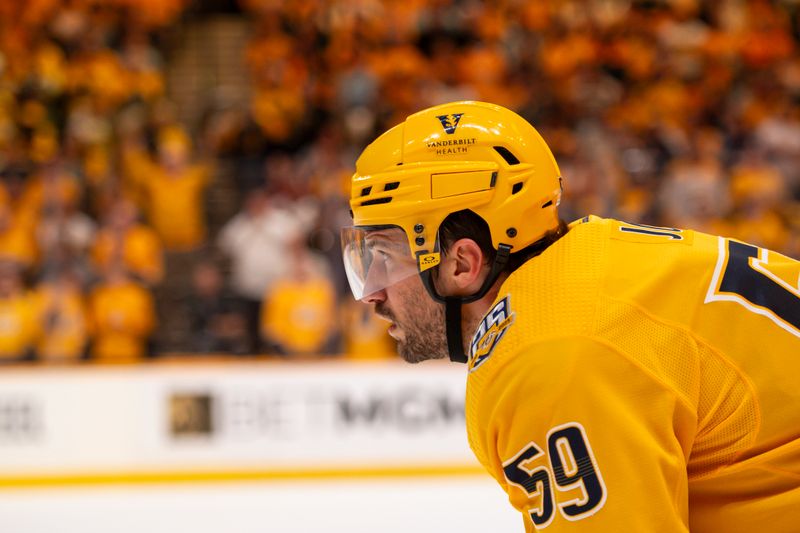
(466, 224)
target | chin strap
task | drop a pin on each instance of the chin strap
(452, 309)
(455, 340)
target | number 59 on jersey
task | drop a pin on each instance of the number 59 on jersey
(565, 476)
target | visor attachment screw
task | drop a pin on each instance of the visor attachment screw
(420, 241)
(511, 232)
(419, 228)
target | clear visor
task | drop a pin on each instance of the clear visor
(375, 259)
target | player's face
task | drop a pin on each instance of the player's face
(417, 321)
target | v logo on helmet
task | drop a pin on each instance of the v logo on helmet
(449, 122)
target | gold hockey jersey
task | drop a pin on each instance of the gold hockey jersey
(636, 378)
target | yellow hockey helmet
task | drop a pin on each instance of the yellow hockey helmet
(444, 159)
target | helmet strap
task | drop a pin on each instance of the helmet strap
(453, 304)
(455, 339)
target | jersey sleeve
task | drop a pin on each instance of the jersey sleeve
(584, 439)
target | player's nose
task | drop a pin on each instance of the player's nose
(374, 297)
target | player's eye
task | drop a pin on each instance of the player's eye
(386, 257)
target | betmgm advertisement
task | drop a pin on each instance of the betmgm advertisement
(189, 422)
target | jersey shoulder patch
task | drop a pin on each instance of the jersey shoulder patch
(490, 331)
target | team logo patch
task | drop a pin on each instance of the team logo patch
(450, 122)
(491, 329)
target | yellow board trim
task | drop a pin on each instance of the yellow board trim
(145, 478)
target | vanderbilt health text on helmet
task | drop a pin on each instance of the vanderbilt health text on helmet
(461, 155)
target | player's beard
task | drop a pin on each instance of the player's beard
(424, 335)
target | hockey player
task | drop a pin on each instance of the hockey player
(621, 377)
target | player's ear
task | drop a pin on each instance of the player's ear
(465, 265)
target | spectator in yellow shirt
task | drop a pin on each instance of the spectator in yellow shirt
(174, 193)
(17, 317)
(123, 317)
(17, 244)
(61, 317)
(123, 238)
(297, 316)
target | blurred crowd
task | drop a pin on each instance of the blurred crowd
(672, 112)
